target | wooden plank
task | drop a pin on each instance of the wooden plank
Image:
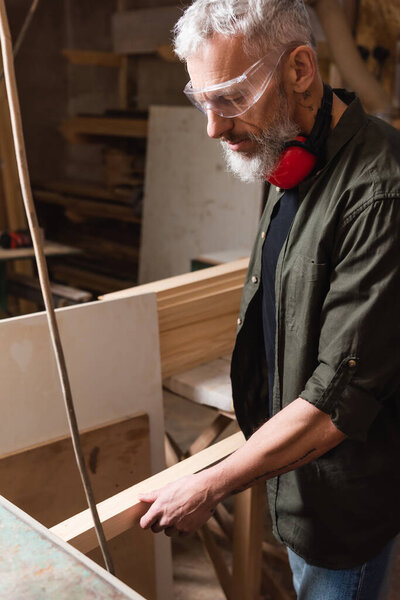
(100, 247)
(207, 384)
(143, 31)
(201, 309)
(196, 343)
(217, 560)
(29, 287)
(92, 57)
(123, 510)
(171, 298)
(209, 435)
(79, 277)
(184, 282)
(247, 541)
(83, 189)
(77, 128)
(88, 208)
(50, 249)
(44, 482)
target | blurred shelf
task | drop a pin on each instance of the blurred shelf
(93, 58)
(100, 209)
(78, 129)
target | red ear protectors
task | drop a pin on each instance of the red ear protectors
(300, 156)
(295, 164)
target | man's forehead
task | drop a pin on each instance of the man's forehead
(219, 59)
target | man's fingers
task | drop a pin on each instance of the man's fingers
(148, 496)
(149, 519)
(156, 527)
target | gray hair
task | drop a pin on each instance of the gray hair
(265, 25)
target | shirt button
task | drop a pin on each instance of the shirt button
(263, 235)
(278, 189)
(352, 363)
(239, 321)
(254, 279)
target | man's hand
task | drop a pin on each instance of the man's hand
(180, 507)
(296, 435)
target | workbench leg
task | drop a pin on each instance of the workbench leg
(250, 507)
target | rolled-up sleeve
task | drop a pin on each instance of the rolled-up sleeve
(359, 344)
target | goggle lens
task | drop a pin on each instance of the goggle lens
(232, 102)
(235, 97)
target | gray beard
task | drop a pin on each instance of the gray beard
(270, 145)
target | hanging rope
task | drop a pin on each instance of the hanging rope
(20, 153)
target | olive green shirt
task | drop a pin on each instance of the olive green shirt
(337, 346)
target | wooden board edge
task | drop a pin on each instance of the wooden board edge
(184, 279)
(122, 511)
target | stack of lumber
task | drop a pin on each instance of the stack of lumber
(80, 214)
(197, 314)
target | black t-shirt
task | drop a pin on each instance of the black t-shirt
(281, 222)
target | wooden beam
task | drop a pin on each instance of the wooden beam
(92, 58)
(88, 208)
(217, 560)
(83, 190)
(200, 309)
(194, 344)
(247, 542)
(209, 435)
(122, 511)
(77, 128)
(24, 286)
(86, 279)
(186, 282)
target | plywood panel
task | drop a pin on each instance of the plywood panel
(112, 354)
(192, 205)
(44, 482)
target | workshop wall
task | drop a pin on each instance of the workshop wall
(42, 83)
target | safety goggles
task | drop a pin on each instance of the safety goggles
(234, 97)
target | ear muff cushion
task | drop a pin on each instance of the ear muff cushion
(295, 164)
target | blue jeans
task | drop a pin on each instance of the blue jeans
(370, 581)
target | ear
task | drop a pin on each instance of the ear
(302, 68)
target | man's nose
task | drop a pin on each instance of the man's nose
(217, 125)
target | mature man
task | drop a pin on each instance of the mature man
(316, 366)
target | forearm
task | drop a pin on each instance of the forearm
(295, 436)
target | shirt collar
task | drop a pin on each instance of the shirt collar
(349, 124)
